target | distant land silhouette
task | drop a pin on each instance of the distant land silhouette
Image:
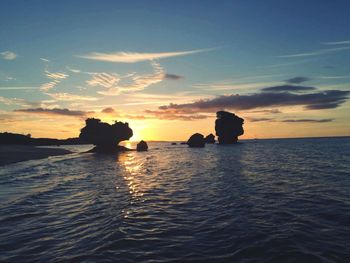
(20, 139)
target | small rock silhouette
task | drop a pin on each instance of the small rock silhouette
(196, 140)
(142, 146)
(210, 138)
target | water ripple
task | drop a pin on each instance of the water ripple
(265, 201)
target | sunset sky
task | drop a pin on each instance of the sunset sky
(166, 67)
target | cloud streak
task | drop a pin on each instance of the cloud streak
(104, 80)
(309, 120)
(55, 111)
(133, 57)
(297, 80)
(56, 78)
(8, 55)
(346, 42)
(16, 101)
(63, 96)
(138, 82)
(290, 120)
(172, 76)
(168, 115)
(289, 88)
(18, 88)
(317, 52)
(56, 75)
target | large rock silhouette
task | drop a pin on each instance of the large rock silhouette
(228, 127)
(196, 140)
(105, 136)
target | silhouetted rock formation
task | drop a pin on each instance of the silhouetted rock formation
(183, 143)
(196, 140)
(105, 136)
(142, 146)
(173, 143)
(228, 127)
(210, 138)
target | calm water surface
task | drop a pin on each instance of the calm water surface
(258, 201)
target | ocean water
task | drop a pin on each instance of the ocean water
(257, 201)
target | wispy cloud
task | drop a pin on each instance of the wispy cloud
(74, 70)
(259, 119)
(70, 97)
(55, 75)
(346, 42)
(290, 120)
(18, 88)
(138, 81)
(309, 120)
(49, 85)
(334, 77)
(56, 78)
(168, 115)
(16, 101)
(141, 82)
(317, 52)
(231, 86)
(289, 63)
(44, 59)
(105, 80)
(289, 88)
(267, 111)
(160, 99)
(8, 55)
(132, 57)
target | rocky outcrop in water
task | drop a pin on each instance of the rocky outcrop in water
(142, 146)
(210, 138)
(105, 136)
(228, 127)
(196, 140)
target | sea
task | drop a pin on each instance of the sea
(277, 200)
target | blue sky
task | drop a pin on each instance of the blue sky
(153, 53)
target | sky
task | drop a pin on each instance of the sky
(166, 67)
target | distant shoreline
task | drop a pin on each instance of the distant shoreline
(252, 139)
(14, 153)
(18, 153)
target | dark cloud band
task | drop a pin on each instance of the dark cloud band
(55, 111)
(312, 101)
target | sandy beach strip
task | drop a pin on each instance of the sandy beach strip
(19, 153)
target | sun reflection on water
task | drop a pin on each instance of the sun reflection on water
(132, 176)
